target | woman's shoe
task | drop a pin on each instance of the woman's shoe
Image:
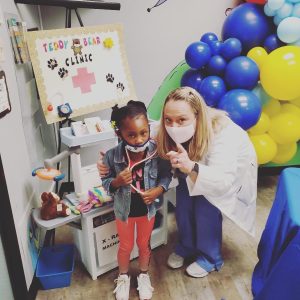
(195, 270)
(175, 261)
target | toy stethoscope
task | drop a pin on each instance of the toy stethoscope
(48, 174)
(137, 163)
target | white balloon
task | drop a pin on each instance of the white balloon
(297, 43)
(275, 4)
(289, 30)
(296, 11)
(285, 10)
(268, 11)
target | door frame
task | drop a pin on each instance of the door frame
(11, 248)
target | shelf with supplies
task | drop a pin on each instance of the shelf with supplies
(70, 140)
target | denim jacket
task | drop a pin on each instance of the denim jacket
(157, 172)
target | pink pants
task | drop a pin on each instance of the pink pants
(126, 236)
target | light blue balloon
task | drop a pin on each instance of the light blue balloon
(288, 30)
(275, 4)
(285, 10)
(293, 1)
(297, 43)
(277, 20)
(296, 11)
(261, 94)
(268, 11)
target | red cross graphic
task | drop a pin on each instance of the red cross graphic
(84, 80)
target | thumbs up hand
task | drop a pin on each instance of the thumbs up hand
(180, 159)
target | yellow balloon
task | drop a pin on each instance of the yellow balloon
(296, 102)
(258, 54)
(265, 147)
(291, 108)
(272, 108)
(280, 73)
(261, 126)
(285, 128)
(285, 153)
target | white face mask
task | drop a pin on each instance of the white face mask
(138, 148)
(181, 134)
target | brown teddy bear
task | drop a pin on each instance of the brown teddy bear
(52, 207)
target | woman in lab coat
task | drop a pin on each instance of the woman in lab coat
(216, 167)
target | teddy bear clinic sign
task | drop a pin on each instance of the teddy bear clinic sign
(80, 70)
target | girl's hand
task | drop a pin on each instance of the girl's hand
(181, 160)
(150, 195)
(123, 178)
(102, 168)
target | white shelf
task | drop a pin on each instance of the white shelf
(71, 140)
(54, 223)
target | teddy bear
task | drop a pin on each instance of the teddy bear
(52, 207)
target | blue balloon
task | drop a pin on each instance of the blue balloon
(192, 78)
(231, 48)
(212, 89)
(242, 72)
(215, 47)
(216, 65)
(272, 42)
(208, 37)
(248, 23)
(243, 107)
(197, 55)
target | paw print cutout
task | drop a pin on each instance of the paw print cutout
(110, 78)
(63, 73)
(120, 86)
(52, 63)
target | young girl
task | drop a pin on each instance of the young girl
(136, 178)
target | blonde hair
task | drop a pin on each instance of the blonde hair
(209, 121)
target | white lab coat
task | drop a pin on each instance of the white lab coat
(227, 176)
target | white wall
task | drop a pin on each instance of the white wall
(155, 41)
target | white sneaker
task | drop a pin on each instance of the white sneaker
(175, 261)
(123, 287)
(144, 286)
(195, 270)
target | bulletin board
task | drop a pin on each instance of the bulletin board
(85, 68)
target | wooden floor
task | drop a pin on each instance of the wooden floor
(233, 282)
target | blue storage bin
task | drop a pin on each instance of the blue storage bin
(55, 266)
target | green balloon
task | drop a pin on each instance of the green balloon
(261, 94)
(170, 83)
